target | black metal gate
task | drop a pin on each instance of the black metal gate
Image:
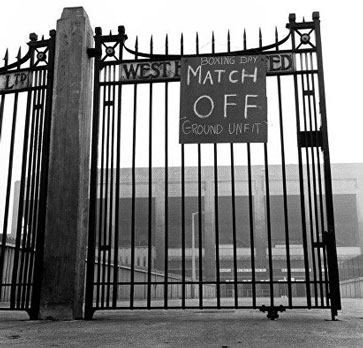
(212, 225)
(25, 109)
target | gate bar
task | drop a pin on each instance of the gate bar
(251, 211)
(89, 310)
(322, 223)
(200, 214)
(183, 202)
(301, 175)
(30, 187)
(150, 188)
(334, 291)
(43, 187)
(166, 187)
(309, 198)
(118, 165)
(284, 186)
(133, 175)
(316, 217)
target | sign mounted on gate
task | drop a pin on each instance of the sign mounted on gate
(16, 80)
(223, 100)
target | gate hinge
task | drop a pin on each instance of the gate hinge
(93, 52)
(310, 139)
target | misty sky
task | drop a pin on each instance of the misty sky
(340, 38)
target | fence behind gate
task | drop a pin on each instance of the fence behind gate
(25, 108)
(210, 225)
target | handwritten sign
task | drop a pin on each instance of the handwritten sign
(15, 80)
(223, 99)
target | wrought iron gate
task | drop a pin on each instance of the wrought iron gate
(212, 225)
(25, 109)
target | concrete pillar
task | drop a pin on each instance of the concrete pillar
(66, 226)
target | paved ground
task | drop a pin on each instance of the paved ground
(222, 329)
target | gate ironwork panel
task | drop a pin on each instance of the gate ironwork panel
(25, 110)
(210, 225)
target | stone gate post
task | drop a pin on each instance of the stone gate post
(66, 226)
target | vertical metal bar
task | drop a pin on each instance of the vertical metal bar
(268, 217)
(10, 169)
(118, 183)
(316, 217)
(110, 229)
(301, 175)
(104, 246)
(311, 225)
(200, 213)
(32, 189)
(150, 246)
(38, 262)
(7, 199)
(166, 269)
(183, 202)
(36, 193)
(284, 186)
(29, 191)
(3, 239)
(36, 217)
(216, 213)
(268, 212)
(330, 235)
(93, 183)
(250, 203)
(101, 200)
(133, 174)
(2, 104)
(4, 234)
(234, 234)
(320, 194)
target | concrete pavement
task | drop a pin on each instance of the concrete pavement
(197, 328)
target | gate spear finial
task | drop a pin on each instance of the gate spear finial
(166, 44)
(197, 42)
(213, 41)
(18, 57)
(6, 58)
(228, 41)
(181, 43)
(260, 37)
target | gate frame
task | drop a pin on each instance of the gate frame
(321, 140)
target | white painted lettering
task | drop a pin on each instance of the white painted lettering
(194, 73)
(211, 106)
(247, 106)
(226, 103)
(254, 75)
